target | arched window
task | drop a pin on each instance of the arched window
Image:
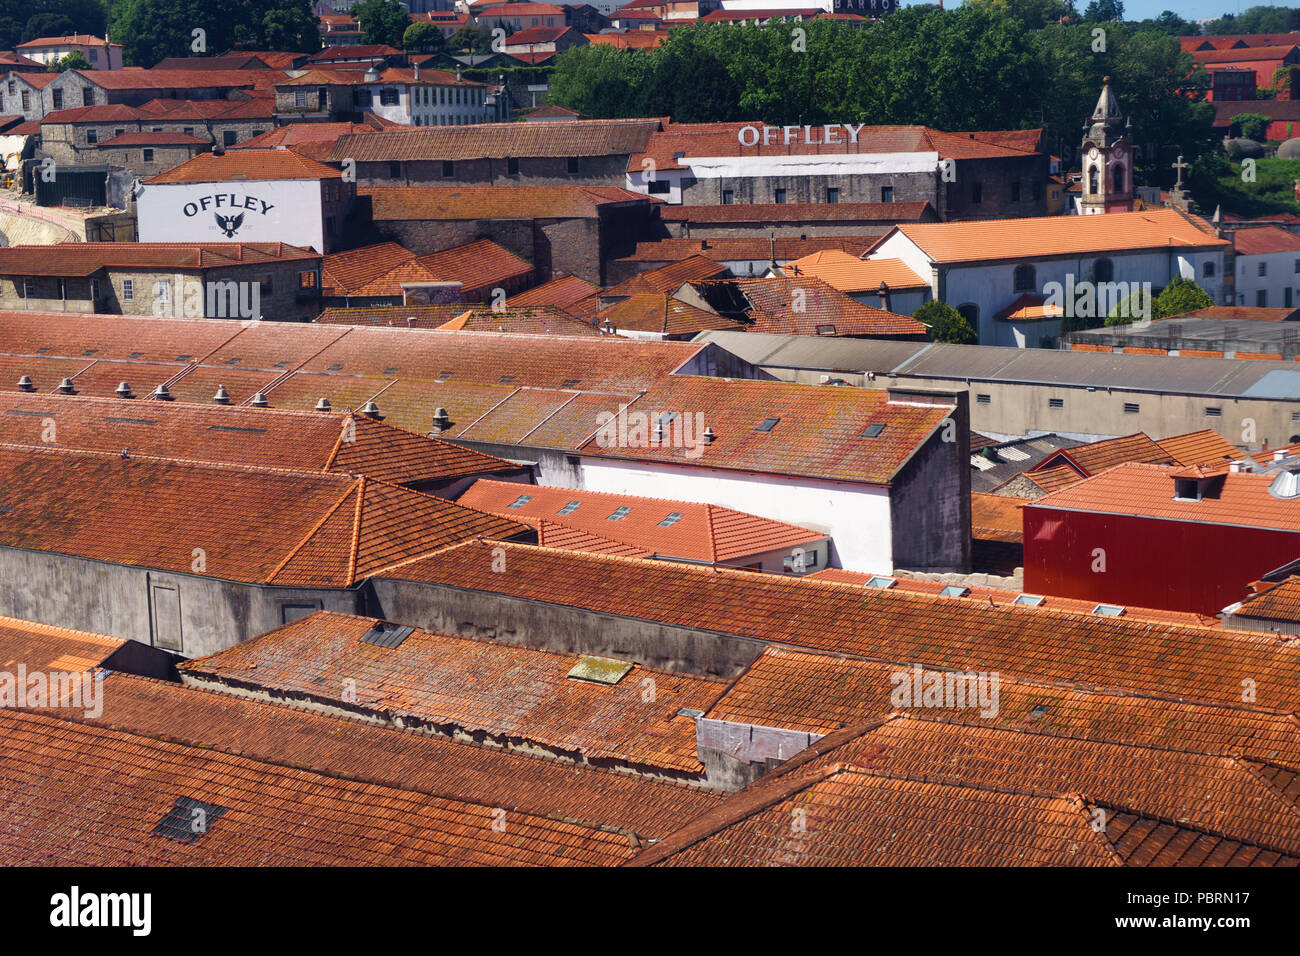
(1026, 278)
(971, 313)
(1094, 185)
(1119, 179)
(1103, 270)
(1207, 270)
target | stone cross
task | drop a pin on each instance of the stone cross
(1180, 166)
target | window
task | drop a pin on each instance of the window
(87, 96)
(1119, 179)
(1132, 408)
(512, 166)
(299, 98)
(1297, 266)
(92, 137)
(1056, 403)
(1211, 412)
(388, 96)
(448, 169)
(29, 288)
(189, 131)
(520, 501)
(886, 193)
(1286, 297)
(1028, 600)
(874, 430)
(572, 164)
(1038, 192)
(1207, 270)
(266, 284)
(229, 137)
(728, 197)
(307, 280)
(94, 55)
(881, 581)
(27, 104)
(394, 170)
(660, 186)
(128, 289)
(983, 399)
(147, 155)
(832, 194)
(292, 612)
(94, 289)
(13, 87)
(119, 131)
(1261, 298)
(976, 193)
(329, 225)
(1103, 270)
(766, 425)
(1015, 192)
(361, 98)
(1263, 268)
(619, 514)
(971, 313)
(570, 508)
(1026, 278)
(58, 99)
(672, 519)
(779, 197)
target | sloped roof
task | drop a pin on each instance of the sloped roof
(476, 264)
(996, 517)
(296, 134)
(85, 258)
(885, 213)
(255, 525)
(404, 203)
(805, 305)
(500, 141)
(529, 320)
(667, 278)
(566, 292)
(1264, 240)
(1204, 447)
(1281, 602)
(495, 688)
(43, 647)
(700, 532)
(246, 164)
(722, 249)
(376, 270)
(647, 312)
(850, 274)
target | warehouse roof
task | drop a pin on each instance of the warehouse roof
(246, 164)
(406, 203)
(499, 141)
(86, 258)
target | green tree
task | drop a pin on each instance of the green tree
(1032, 14)
(1252, 125)
(382, 21)
(1258, 19)
(1129, 309)
(76, 60)
(1170, 24)
(423, 38)
(47, 25)
(150, 30)
(471, 39)
(1104, 11)
(1181, 295)
(946, 324)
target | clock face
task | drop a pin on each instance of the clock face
(1092, 152)
(1119, 151)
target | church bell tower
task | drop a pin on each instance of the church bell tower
(1107, 151)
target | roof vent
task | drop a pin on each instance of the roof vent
(322, 404)
(25, 385)
(1286, 485)
(600, 670)
(123, 390)
(441, 420)
(258, 400)
(162, 394)
(66, 388)
(371, 410)
(222, 397)
(709, 436)
(1244, 464)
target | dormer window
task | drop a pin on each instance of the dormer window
(1187, 489)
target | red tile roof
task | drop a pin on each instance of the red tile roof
(1280, 602)
(481, 264)
(663, 314)
(86, 258)
(882, 212)
(43, 647)
(454, 684)
(805, 305)
(566, 292)
(1205, 447)
(75, 39)
(701, 532)
(395, 316)
(251, 165)
(181, 79)
(403, 203)
(760, 248)
(377, 270)
(996, 517)
(1264, 240)
(667, 278)
(517, 319)
(296, 134)
(259, 526)
(500, 141)
(848, 273)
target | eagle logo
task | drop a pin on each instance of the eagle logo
(230, 224)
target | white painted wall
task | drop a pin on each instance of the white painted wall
(856, 517)
(1282, 272)
(274, 211)
(639, 182)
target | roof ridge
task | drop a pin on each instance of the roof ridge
(329, 513)
(186, 462)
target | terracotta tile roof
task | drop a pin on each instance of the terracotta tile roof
(1031, 238)
(1281, 602)
(667, 278)
(75, 39)
(100, 113)
(1168, 661)
(1237, 312)
(181, 79)
(370, 270)
(1264, 240)
(476, 265)
(1205, 447)
(449, 683)
(554, 535)
(529, 320)
(454, 770)
(848, 273)
(730, 249)
(1267, 455)
(882, 212)
(1095, 457)
(500, 141)
(258, 107)
(645, 312)
(566, 292)
(354, 52)
(404, 203)
(43, 647)
(805, 305)
(701, 532)
(1048, 479)
(518, 9)
(153, 139)
(818, 432)
(395, 316)
(298, 441)
(85, 258)
(357, 77)
(996, 517)
(631, 40)
(1143, 490)
(1279, 52)
(259, 526)
(551, 111)
(81, 794)
(296, 134)
(265, 164)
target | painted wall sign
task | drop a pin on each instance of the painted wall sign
(827, 135)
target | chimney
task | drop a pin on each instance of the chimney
(884, 295)
(1280, 454)
(371, 410)
(441, 420)
(417, 71)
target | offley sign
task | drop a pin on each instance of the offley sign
(829, 134)
(236, 205)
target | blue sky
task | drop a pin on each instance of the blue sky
(1187, 9)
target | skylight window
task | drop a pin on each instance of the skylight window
(188, 820)
(766, 425)
(600, 670)
(825, 330)
(1108, 610)
(954, 590)
(387, 635)
(619, 514)
(881, 581)
(672, 519)
(520, 501)
(874, 430)
(570, 508)
(1028, 600)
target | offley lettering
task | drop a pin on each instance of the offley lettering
(228, 201)
(831, 134)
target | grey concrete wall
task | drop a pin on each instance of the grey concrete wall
(930, 500)
(498, 617)
(113, 599)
